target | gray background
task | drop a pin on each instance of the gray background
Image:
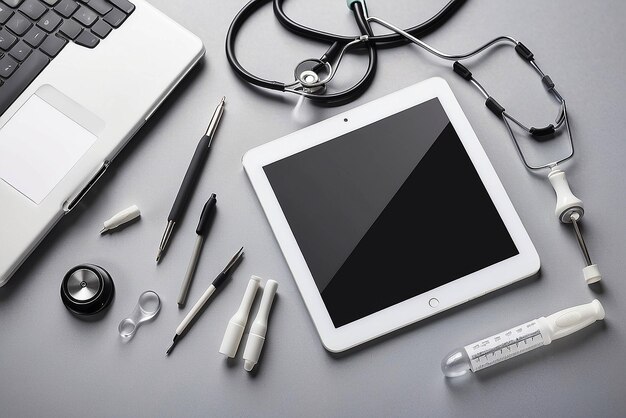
(52, 364)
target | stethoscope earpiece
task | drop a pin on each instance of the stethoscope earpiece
(87, 289)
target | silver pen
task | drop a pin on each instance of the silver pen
(191, 178)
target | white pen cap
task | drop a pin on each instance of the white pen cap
(256, 338)
(237, 324)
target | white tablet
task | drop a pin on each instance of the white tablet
(389, 213)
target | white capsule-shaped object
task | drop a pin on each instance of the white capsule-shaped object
(256, 337)
(121, 218)
(237, 324)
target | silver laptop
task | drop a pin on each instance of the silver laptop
(77, 79)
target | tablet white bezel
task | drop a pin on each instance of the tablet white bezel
(496, 276)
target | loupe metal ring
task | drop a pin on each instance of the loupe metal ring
(87, 289)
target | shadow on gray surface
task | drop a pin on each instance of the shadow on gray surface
(597, 288)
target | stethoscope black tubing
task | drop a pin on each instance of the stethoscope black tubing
(338, 99)
(333, 99)
(248, 10)
(384, 41)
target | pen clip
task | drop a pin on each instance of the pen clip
(215, 120)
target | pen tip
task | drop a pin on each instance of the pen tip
(103, 231)
(175, 340)
(223, 99)
(158, 257)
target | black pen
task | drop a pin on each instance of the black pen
(191, 178)
(201, 230)
(219, 280)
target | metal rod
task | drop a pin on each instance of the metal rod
(451, 57)
(579, 237)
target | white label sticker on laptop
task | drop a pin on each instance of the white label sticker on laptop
(39, 145)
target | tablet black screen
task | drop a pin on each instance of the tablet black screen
(389, 211)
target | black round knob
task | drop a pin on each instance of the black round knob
(87, 289)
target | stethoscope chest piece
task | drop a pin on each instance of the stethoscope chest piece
(87, 289)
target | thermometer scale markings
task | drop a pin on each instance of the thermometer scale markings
(520, 339)
(507, 345)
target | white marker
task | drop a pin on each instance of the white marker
(256, 338)
(237, 324)
(520, 339)
(121, 218)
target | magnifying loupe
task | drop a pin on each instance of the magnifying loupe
(148, 305)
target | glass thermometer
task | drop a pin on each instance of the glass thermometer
(520, 339)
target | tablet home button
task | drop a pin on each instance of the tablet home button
(433, 302)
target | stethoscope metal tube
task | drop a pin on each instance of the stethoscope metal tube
(500, 39)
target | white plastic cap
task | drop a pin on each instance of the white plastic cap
(256, 337)
(231, 340)
(237, 324)
(592, 274)
(251, 354)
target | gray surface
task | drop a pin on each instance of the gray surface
(52, 364)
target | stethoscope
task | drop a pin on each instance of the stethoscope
(312, 77)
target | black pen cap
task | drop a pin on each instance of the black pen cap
(208, 208)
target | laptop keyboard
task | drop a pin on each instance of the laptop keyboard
(33, 32)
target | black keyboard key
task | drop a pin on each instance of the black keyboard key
(115, 18)
(6, 40)
(87, 39)
(85, 16)
(5, 13)
(33, 9)
(18, 24)
(50, 21)
(53, 45)
(7, 66)
(71, 28)
(66, 8)
(101, 28)
(100, 6)
(34, 37)
(13, 3)
(124, 5)
(25, 74)
(20, 51)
